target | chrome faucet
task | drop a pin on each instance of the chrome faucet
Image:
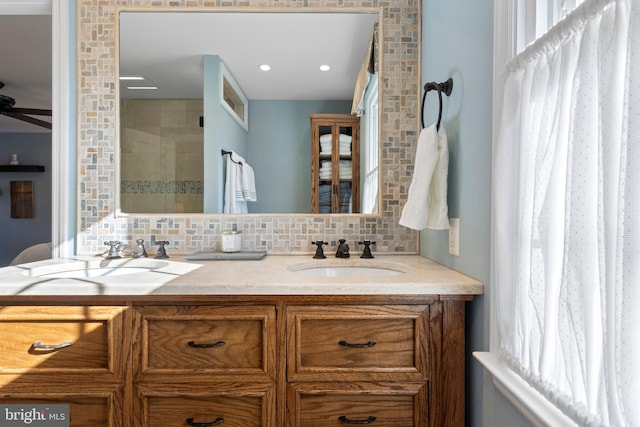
(343, 249)
(140, 251)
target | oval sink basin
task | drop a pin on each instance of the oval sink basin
(348, 271)
(95, 272)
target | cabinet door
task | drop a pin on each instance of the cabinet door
(88, 406)
(357, 343)
(226, 405)
(339, 405)
(61, 344)
(205, 343)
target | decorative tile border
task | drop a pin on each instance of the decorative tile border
(161, 186)
(400, 86)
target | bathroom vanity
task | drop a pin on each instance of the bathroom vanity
(284, 341)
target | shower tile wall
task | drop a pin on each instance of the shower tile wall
(98, 220)
(161, 155)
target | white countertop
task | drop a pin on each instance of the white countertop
(272, 275)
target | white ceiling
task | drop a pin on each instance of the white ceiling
(168, 47)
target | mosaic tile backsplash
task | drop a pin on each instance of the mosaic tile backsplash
(98, 220)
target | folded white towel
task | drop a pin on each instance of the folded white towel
(341, 138)
(426, 205)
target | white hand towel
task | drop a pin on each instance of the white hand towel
(426, 205)
(248, 183)
(233, 198)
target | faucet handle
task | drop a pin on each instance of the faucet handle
(366, 252)
(115, 248)
(319, 253)
(162, 252)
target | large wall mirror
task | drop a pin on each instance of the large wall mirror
(193, 84)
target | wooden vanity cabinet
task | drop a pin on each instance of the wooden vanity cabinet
(335, 163)
(272, 361)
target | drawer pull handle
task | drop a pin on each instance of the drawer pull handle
(212, 423)
(195, 345)
(346, 420)
(39, 346)
(366, 345)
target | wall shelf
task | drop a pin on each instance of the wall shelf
(21, 168)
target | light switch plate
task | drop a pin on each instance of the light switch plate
(454, 236)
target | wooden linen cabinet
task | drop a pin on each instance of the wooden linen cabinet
(335, 163)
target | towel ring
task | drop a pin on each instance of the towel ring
(445, 87)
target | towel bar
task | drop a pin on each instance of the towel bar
(223, 152)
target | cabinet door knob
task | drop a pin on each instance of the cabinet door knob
(365, 345)
(346, 420)
(205, 345)
(212, 423)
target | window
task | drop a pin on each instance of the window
(232, 98)
(565, 222)
(534, 17)
(370, 148)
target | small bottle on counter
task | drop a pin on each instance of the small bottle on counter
(14, 160)
(231, 240)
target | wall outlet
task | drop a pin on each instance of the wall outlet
(454, 236)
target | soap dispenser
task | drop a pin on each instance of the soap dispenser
(231, 240)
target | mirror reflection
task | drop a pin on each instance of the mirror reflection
(191, 87)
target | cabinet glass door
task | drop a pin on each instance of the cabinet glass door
(335, 167)
(325, 174)
(344, 189)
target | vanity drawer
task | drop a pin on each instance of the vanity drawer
(379, 405)
(357, 343)
(68, 342)
(238, 405)
(86, 408)
(210, 342)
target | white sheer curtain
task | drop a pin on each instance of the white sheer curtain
(566, 215)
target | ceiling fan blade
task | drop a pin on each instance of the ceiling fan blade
(28, 119)
(32, 111)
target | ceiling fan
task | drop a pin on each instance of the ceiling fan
(7, 108)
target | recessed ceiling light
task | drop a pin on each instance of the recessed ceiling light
(142, 87)
(265, 67)
(131, 78)
(325, 68)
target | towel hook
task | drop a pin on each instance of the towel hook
(445, 87)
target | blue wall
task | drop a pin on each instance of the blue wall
(17, 234)
(221, 131)
(279, 151)
(458, 43)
